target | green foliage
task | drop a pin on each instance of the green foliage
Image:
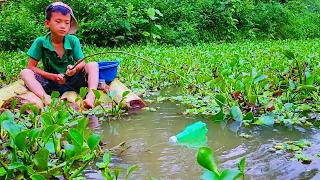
(205, 159)
(109, 23)
(19, 27)
(37, 152)
(295, 147)
(116, 108)
(107, 174)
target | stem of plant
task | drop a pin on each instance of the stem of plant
(4, 165)
(255, 89)
(78, 171)
(104, 109)
(300, 76)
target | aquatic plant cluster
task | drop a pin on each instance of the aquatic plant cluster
(44, 144)
(250, 83)
(262, 83)
(52, 142)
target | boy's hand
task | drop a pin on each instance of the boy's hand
(69, 71)
(59, 78)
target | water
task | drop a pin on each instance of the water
(147, 133)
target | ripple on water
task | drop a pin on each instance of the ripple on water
(148, 133)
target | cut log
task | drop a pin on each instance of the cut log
(17, 89)
(132, 101)
(14, 89)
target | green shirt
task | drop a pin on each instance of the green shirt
(42, 49)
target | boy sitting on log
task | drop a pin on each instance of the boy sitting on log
(59, 51)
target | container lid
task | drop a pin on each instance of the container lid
(173, 139)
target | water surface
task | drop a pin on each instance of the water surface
(147, 133)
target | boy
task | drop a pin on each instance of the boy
(59, 51)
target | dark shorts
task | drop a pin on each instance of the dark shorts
(73, 83)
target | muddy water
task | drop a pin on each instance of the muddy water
(147, 133)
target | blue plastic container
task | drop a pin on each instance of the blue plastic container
(108, 70)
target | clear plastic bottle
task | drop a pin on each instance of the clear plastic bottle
(190, 133)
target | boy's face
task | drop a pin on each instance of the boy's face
(59, 24)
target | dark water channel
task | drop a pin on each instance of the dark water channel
(147, 133)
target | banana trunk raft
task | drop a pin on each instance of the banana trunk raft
(18, 91)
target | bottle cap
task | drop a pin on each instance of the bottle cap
(173, 139)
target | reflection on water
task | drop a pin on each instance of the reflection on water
(147, 133)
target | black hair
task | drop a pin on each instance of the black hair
(61, 9)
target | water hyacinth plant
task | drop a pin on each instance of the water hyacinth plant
(47, 144)
(205, 159)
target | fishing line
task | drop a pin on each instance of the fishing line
(149, 61)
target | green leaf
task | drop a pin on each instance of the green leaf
(229, 174)
(242, 164)
(259, 78)
(47, 119)
(82, 124)
(80, 152)
(307, 87)
(12, 127)
(83, 92)
(20, 141)
(55, 94)
(220, 116)
(70, 152)
(87, 157)
(107, 157)
(205, 159)
(17, 165)
(309, 80)
(34, 134)
(158, 26)
(76, 137)
(113, 94)
(38, 177)
(116, 172)
(252, 98)
(7, 115)
(124, 94)
(158, 12)
(101, 165)
(209, 175)
(145, 33)
(236, 113)
(289, 54)
(151, 12)
(2, 171)
(50, 145)
(13, 103)
(48, 132)
(41, 159)
(96, 94)
(221, 100)
(249, 116)
(93, 141)
(292, 85)
(265, 120)
(130, 170)
(63, 117)
(26, 106)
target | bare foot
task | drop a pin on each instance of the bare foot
(47, 100)
(89, 101)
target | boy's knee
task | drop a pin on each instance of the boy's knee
(92, 65)
(25, 72)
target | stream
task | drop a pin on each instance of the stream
(147, 135)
